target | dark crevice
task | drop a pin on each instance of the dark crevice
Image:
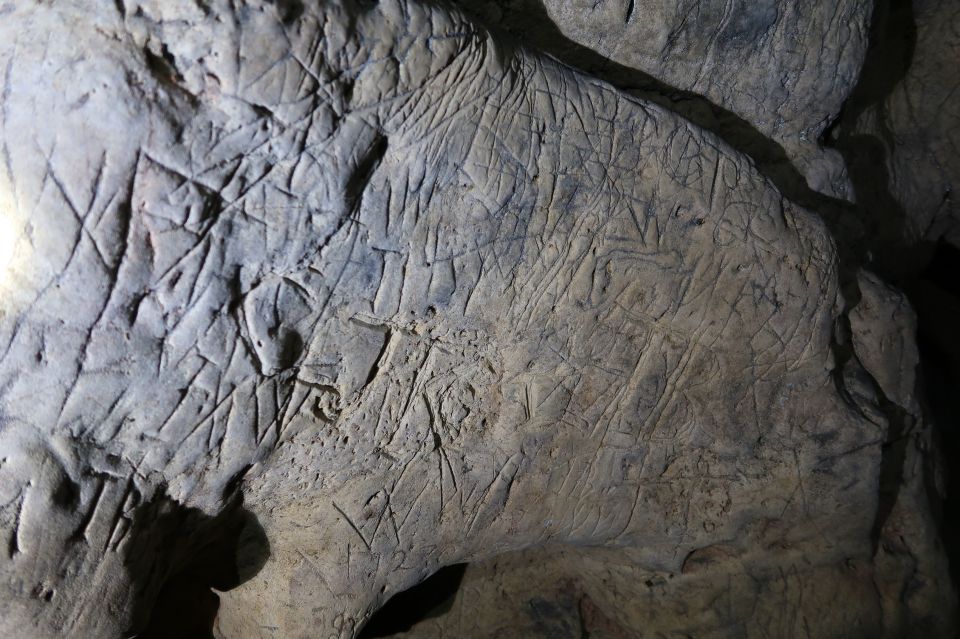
(430, 598)
(893, 454)
(899, 423)
(584, 630)
(290, 10)
(883, 244)
(892, 42)
(163, 66)
(936, 299)
(925, 270)
(387, 334)
(290, 348)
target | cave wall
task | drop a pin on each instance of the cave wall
(303, 301)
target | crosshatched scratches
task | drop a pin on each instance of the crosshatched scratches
(405, 294)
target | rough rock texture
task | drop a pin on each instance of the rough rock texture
(778, 69)
(915, 127)
(307, 300)
(911, 574)
(575, 592)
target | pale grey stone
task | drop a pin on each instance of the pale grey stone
(354, 291)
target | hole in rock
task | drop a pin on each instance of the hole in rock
(290, 10)
(430, 598)
(290, 348)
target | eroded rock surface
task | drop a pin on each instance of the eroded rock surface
(778, 69)
(776, 589)
(571, 592)
(352, 291)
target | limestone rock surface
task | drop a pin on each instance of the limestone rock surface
(773, 71)
(562, 591)
(305, 300)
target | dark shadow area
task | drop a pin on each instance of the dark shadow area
(871, 234)
(893, 39)
(430, 598)
(926, 271)
(936, 298)
(177, 555)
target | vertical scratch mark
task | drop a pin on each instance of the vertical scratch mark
(14, 547)
(118, 518)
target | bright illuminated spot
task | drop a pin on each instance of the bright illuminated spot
(8, 241)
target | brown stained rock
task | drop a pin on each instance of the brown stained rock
(525, 594)
(339, 293)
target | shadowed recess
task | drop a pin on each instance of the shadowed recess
(936, 297)
(430, 598)
(179, 555)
